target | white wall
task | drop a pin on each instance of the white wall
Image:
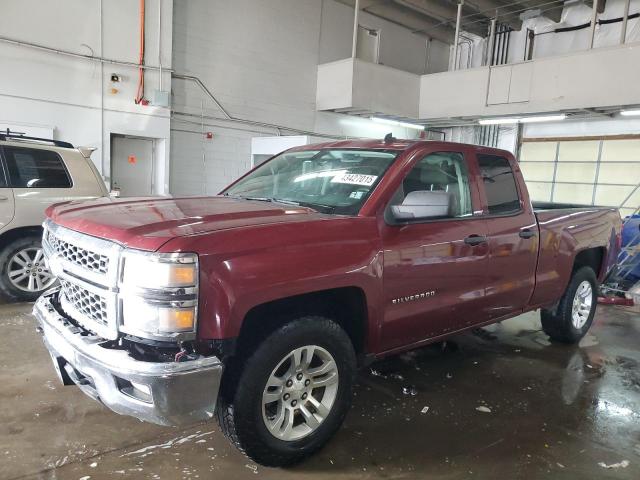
(72, 96)
(260, 59)
(399, 48)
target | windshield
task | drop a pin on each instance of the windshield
(330, 181)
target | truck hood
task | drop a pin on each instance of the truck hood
(148, 223)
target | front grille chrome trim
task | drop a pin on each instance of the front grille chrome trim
(83, 282)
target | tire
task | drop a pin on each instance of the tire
(14, 264)
(561, 325)
(243, 417)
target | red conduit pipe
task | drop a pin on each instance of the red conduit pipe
(140, 91)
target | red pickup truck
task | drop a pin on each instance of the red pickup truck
(256, 306)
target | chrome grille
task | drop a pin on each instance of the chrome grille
(87, 268)
(82, 257)
(85, 303)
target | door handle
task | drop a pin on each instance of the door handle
(474, 240)
(2, 199)
(526, 233)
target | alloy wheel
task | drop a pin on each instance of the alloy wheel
(28, 270)
(300, 393)
(582, 303)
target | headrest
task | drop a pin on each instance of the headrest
(435, 175)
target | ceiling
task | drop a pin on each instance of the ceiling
(437, 18)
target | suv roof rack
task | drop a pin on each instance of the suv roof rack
(9, 135)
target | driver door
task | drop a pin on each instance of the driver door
(434, 267)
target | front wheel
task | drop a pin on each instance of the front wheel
(573, 317)
(24, 273)
(292, 393)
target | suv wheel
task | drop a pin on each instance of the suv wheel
(24, 271)
(292, 394)
(573, 316)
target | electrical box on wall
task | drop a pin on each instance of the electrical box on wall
(160, 98)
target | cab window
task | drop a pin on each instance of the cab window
(436, 187)
(499, 185)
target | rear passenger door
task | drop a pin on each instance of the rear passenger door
(39, 178)
(513, 236)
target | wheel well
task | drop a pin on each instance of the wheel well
(591, 257)
(11, 235)
(346, 306)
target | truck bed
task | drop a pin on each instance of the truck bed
(564, 230)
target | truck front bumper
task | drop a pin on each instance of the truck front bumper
(165, 393)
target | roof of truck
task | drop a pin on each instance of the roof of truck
(394, 144)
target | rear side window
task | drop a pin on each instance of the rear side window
(499, 184)
(35, 168)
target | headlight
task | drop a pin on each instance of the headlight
(159, 295)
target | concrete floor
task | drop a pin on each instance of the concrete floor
(551, 411)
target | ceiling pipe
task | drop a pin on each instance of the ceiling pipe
(457, 35)
(67, 53)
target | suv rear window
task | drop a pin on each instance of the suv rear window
(35, 168)
(499, 184)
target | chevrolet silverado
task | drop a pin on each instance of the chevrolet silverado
(256, 306)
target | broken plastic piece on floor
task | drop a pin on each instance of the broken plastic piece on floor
(622, 464)
(410, 390)
(424, 409)
(483, 409)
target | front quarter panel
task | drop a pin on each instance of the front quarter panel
(246, 267)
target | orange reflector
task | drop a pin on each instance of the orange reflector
(183, 319)
(176, 319)
(183, 275)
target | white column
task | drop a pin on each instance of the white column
(594, 18)
(354, 44)
(457, 36)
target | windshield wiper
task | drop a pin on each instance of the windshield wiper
(256, 199)
(314, 206)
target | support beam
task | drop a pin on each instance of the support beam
(354, 43)
(594, 18)
(456, 38)
(625, 21)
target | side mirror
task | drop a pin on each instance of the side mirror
(422, 205)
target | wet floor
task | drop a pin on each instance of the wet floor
(501, 402)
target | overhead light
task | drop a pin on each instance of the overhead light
(630, 113)
(395, 123)
(498, 121)
(543, 118)
(514, 120)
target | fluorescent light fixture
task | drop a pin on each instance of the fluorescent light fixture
(514, 120)
(395, 123)
(498, 121)
(630, 113)
(543, 118)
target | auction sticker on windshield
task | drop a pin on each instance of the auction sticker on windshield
(355, 179)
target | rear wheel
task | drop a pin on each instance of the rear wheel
(573, 317)
(24, 271)
(291, 394)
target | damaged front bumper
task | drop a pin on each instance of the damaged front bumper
(165, 393)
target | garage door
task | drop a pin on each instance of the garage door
(592, 171)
